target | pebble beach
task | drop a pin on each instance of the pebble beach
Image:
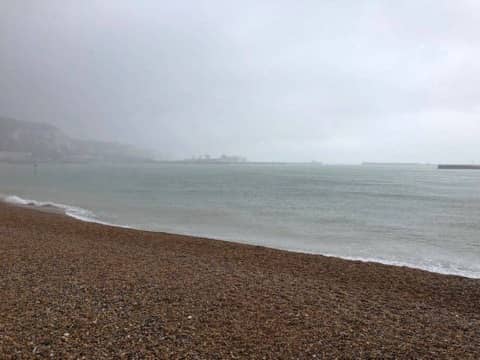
(73, 290)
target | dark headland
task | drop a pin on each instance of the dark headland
(76, 290)
(31, 142)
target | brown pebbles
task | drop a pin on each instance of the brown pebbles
(70, 289)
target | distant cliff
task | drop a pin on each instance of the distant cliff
(29, 141)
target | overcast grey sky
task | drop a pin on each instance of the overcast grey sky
(335, 81)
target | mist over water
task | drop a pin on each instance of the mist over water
(416, 216)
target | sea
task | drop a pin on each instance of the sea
(416, 216)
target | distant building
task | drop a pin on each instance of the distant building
(223, 159)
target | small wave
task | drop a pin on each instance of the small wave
(435, 267)
(444, 268)
(72, 211)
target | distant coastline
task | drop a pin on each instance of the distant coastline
(394, 164)
(458, 167)
(30, 142)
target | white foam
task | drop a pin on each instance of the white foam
(72, 211)
(435, 267)
(431, 266)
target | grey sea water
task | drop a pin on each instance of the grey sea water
(416, 216)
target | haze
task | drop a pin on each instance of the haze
(333, 81)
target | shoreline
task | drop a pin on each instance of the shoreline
(71, 289)
(89, 217)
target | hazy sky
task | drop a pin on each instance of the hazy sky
(335, 81)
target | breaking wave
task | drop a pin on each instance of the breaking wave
(72, 211)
